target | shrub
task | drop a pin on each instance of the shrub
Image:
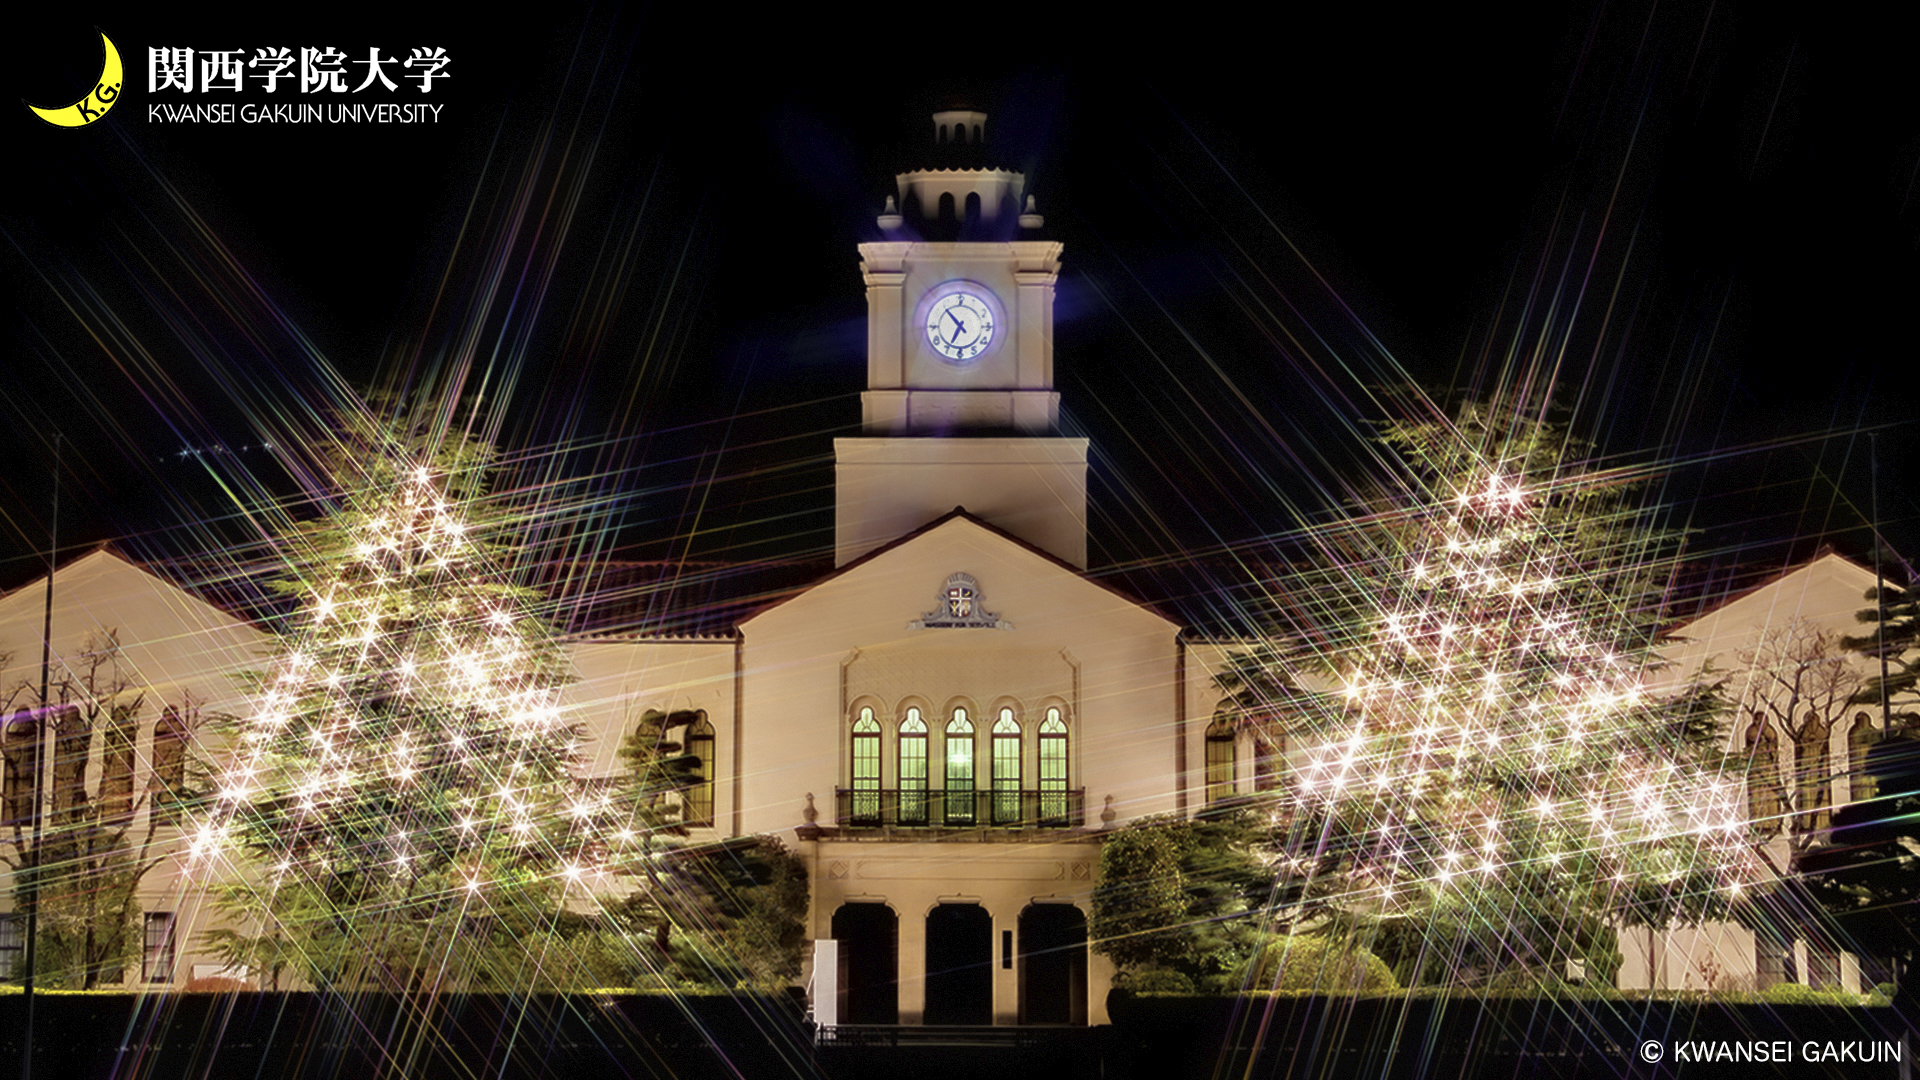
(1320, 965)
(1796, 994)
(1156, 981)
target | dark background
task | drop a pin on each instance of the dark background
(634, 232)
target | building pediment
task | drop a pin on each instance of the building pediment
(1827, 592)
(960, 575)
(104, 590)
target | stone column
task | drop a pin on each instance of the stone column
(1006, 980)
(912, 965)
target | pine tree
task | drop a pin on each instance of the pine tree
(1867, 877)
(1895, 635)
(403, 785)
(1489, 779)
(730, 913)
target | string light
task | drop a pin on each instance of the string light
(1491, 682)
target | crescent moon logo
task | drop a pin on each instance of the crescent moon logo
(97, 101)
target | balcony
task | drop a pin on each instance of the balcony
(893, 808)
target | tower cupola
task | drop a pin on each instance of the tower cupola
(962, 193)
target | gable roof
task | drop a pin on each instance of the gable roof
(960, 513)
(232, 594)
(669, 598)
(1786, 590)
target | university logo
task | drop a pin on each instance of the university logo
(94, 104)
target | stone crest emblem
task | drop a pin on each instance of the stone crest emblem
(959, 607)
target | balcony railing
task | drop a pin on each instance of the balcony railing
(914, 809)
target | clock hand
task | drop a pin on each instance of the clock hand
(958, 327)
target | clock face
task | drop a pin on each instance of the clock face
(960, 327)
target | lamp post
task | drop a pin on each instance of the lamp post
(42, 764)
(1879, 576)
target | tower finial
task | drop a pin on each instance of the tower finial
(1031, 218)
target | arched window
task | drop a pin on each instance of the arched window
(1816, 773)
(1053, 769)
(913, 769)
(72, 743)
(699, 797)
(117, 759)
(1220, 737)
(959, 798)
(1859, 741)
(22, 751)
(170, 766)
(1006, 769)
(866, 769)
(1763, 775)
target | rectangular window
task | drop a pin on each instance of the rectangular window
(1823, 967)
(1219, 767)
(866, 776)
(913, 779)
(12, 946)
(699, 797)
(1053, 778)
(156, 961)
(1006, 779)
(1771, 961)
(959, 796)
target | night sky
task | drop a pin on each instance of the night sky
(637, 231)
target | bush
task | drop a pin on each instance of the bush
(1156, 981)
(1796, 994)
(1319, 965)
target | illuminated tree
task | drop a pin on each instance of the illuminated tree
(402, 784)
(1489, 777)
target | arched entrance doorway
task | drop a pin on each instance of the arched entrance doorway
(959, 965)
(872, 936)
(1053, 965)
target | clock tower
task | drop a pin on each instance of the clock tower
(960, 408)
